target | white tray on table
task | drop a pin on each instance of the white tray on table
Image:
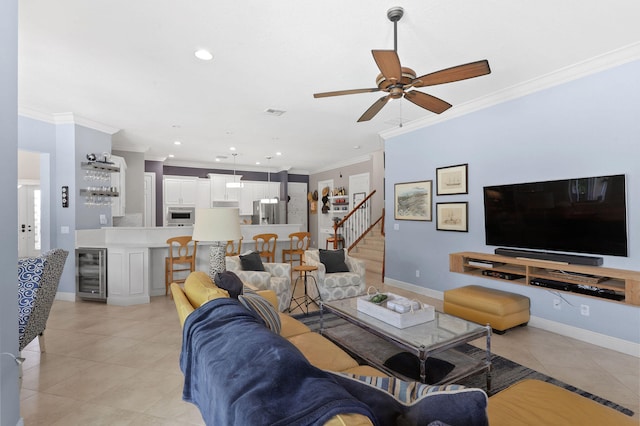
(400, 320)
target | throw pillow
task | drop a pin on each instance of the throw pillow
(263, 308)
(251, 262)
(230, 282)
(395, 401)
(333, 261)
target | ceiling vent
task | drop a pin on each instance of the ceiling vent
(274, 112)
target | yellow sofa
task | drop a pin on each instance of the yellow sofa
(529, 402)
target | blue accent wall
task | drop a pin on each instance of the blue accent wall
(587, 127)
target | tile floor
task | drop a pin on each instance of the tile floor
(110, 365)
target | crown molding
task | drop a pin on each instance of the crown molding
(587, 67)
(66, 118)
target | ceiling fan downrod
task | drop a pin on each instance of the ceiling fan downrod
(394, 14)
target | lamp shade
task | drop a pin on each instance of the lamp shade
(218, 224)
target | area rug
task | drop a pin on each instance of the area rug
(505, 371)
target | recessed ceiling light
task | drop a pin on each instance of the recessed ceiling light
(356, 147)
(278, 153)
(177, 143)
(203, 54)
(217, 159)
(232, 148)
(171, 155)
(257, 163)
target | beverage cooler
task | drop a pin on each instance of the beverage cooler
(91, 273)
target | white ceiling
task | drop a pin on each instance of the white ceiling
(129, 64)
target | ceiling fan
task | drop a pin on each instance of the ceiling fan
(396, 80)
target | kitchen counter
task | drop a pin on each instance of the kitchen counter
(135, 256)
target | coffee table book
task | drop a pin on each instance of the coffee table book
(400, 320)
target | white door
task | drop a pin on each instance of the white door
(149, 199)
(28, 220)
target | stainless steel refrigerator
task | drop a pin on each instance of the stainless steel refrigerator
(269, 213)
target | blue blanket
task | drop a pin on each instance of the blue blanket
(237, 372)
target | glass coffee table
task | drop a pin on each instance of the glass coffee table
(361, 332)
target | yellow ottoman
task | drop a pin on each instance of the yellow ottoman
(482, 305)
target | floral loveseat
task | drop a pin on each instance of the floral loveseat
(276, 277)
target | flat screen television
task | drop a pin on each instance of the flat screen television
(584, 215)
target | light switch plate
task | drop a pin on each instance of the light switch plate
(64, 229)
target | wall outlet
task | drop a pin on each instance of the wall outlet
(396, 226)
(417, 273)
(557, 304)
(103, 219)
(584, 310)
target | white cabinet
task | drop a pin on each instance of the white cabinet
(180, 191)
(203, 197)
(219, 190)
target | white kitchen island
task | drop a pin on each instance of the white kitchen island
(135, 256)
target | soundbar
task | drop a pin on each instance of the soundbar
(572, 259)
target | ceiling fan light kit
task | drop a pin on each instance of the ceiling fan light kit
(396, 80)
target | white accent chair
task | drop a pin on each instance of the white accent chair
(276, 277)
(337, 285)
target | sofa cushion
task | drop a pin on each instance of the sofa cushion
(251, 262)
(322, 353)
(291, 326)
(229, 281)
(263, 308)
(333, 261)
(534, 402)
(199, 289)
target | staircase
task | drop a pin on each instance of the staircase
(371, 250)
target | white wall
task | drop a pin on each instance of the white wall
(587, 127)
(9, 392)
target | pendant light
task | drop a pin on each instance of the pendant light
(269, 200)
(234, 184)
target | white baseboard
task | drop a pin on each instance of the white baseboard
(598, 339)
(67, 297)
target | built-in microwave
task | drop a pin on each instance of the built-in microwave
(181, 216)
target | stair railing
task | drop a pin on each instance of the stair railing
(355, 224)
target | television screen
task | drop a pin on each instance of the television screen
(584, 215)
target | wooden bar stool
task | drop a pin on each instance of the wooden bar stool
(335, 241)
(182, 258)
(266, 246)
(233, 249)
(299, 242)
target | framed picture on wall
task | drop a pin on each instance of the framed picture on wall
(413, 200)
(452, 180)
(358, 197)
(452, 217)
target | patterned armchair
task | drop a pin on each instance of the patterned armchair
(276, 277)
(338, 285)
(38, 279)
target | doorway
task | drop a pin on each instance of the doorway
(29, 223)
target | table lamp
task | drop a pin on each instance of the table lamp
(217, 225)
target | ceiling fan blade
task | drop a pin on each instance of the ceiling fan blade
(460, 72)
(374, 109)
(389, 64)
(429, 102)
(344, 92)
